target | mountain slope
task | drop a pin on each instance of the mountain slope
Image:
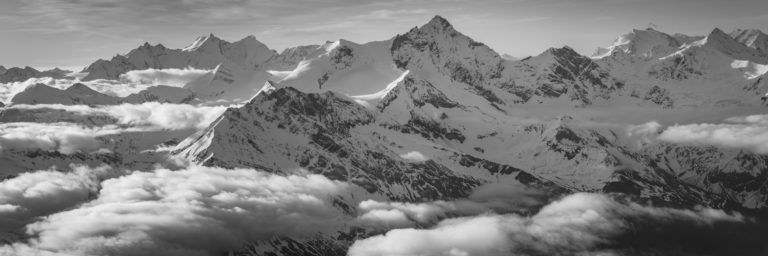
(446, 115)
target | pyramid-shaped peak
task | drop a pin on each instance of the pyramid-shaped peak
(201, 41)
(717, 36)
(562, 51)
(79, 87)
(438, 22)
(717, 32)
(249, 39)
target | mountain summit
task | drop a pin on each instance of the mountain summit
(205, 52)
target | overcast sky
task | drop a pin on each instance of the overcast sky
(68, 33)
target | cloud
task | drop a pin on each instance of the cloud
(164, 115)
(68, 138)
(749, 132)
(644, 133)
(170, 77)
(387, 212)
(195, 211)
(40, 193)
(151, 115)
(578, 223)
(415, 156)
(649, 128)
(509, 196)
(109, 87)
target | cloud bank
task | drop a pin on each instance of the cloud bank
(164, 115)
(579, 223)
(171, 77)
(69, 138)
(749, 132)
(109, 87)
(195, 211)
(66, 138)
(40, 193)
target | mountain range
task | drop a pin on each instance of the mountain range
(431, 114)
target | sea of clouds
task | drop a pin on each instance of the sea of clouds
(211, 211)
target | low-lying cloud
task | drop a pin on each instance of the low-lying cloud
(164, 115)
(68, 137)
(171, 77)
(149, 114)
(40, 193)
(506, 197)
(749, 132)
(195, 211)
(414, 156)
(579, 223)
(109, 87)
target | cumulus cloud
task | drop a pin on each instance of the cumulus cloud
(579, 223)
(171, 77)
(40, 193)
(195, 211)
(749, 132)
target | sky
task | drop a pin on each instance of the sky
(74, 33)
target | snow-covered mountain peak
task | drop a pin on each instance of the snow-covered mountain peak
(439, 43)
(438, 23)
(717, 35)
(564, 51)
(148, 49)
(330, 46)
(753, 38)
(724, 43)
(203, 42)
(249, 42)
(648, 43)
(205, 53)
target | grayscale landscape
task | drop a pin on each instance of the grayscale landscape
(434, 128)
